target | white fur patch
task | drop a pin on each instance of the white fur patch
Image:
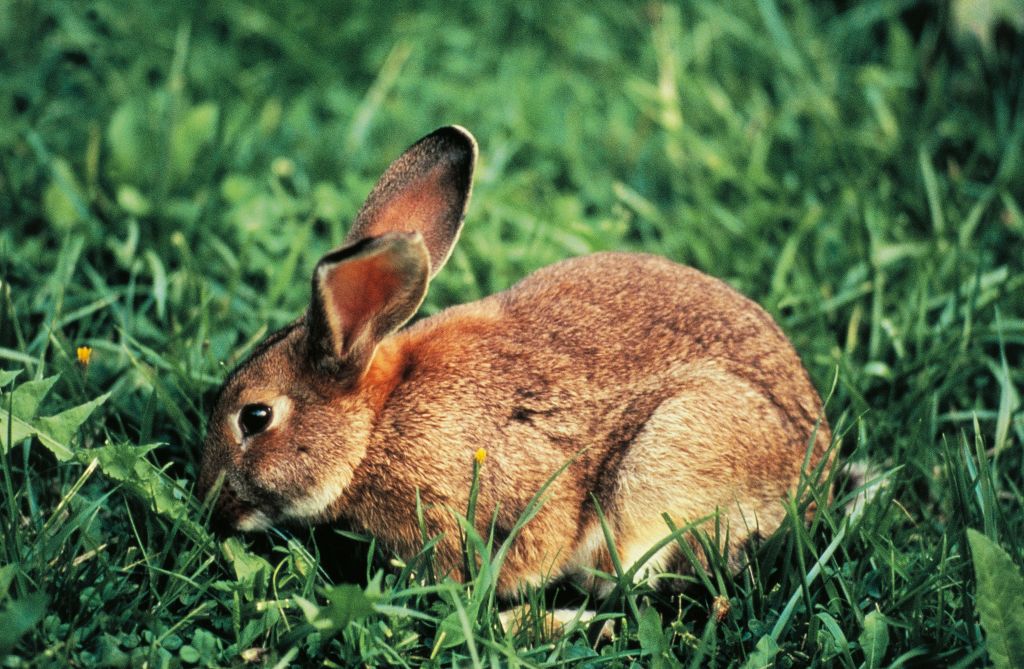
(236, 431)
(254, 521)
(555, 621)
(656, 564)
(314, 504)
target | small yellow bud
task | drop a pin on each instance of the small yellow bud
(480, 455)
(84, 355)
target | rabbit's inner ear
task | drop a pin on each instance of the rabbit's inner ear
(426, 190)
(362, 293)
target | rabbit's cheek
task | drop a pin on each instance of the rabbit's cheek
(315, 501)
(326, 473)
(272, 469)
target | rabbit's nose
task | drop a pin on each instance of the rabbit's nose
(227, 509)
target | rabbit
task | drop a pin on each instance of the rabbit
(665, 391)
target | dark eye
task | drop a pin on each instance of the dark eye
(254, 418)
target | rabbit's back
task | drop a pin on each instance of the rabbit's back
(575, 342)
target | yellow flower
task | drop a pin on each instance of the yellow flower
(84, 355)
(480, 455)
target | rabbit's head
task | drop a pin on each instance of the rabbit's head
(292, 423)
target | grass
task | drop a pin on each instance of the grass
(170, 173)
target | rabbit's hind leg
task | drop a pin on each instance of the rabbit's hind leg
(697, 460)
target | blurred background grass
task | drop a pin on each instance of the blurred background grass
(170, 173)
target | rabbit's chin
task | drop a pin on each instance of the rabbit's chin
(253, 521)
(315, 505)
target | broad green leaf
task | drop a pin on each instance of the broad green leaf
(1000, 601)
(18, 430)
(18, 617)
(6, 576)
(451, 628)
(874, 639)
(126, 138)
(188, 654)
(6, 377)
(347, 603)
(196, 129)
(122, 462)
(26, 398)
(206, 644)
(18, 417)
(763, 655)
(655, 640)
(109, 653)
(649, 632)
(60, 428)
(247, 565)
(119, 461)
(63, 202)
(127, 463)
(457, 627)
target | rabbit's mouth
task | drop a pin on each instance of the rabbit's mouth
(245, 510)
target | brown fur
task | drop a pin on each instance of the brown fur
(672, 392)
(425, 190)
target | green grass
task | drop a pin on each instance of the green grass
(170, 173)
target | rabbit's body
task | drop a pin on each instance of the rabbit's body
(668, 391)
(674, 393)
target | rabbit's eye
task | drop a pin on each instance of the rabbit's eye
(254, 418)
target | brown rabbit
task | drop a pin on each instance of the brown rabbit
(674, 393)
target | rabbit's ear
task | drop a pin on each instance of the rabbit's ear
(361, 293)
(425, 190)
